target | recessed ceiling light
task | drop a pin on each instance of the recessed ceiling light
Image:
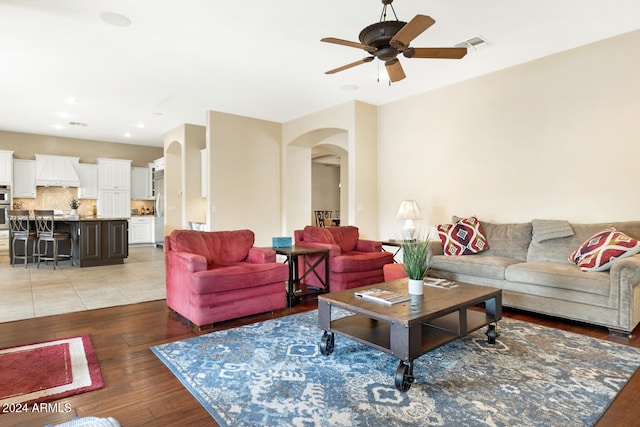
(59, 127)
(140, 125)
(127, 135)
(115, 19)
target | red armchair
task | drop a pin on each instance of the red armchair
(216, 276)
(353, 262)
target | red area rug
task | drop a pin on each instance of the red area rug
(48, 371)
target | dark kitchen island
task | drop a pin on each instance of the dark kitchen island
(99, 241)
(96, 241)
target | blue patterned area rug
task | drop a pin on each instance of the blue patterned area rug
(273, 374)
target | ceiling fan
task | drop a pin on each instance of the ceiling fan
(386, 39)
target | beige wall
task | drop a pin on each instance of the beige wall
(182, 183)
(325, 181)
(244, 159)
(553, 138)
(26, 145)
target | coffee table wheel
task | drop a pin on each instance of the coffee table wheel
(492, 334)
(327, 343)
(404, 376)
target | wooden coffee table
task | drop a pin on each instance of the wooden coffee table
(409, 329)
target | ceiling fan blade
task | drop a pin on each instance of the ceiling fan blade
(413, 29)
(345, 43)
(395, 71)
(436, 52)
(353, 64)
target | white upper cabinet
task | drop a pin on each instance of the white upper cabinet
(114, 174)
(142, 183)
(24, 179)
(88, 175)
(6, 167)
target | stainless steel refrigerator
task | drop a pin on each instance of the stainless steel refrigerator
(158, 190)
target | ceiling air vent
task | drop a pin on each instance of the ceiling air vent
(475, 43)
(77, 124)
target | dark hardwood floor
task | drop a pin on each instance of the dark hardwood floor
(140, 391)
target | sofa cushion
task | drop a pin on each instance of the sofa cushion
(507, 240)
(546, 229)
(318, 235)
(218, 247)
(234, 276)
(484, 266)
(599, 251)
(559, 275)
(464, 237)
(360, 261)
(559, 250)
(346, 237)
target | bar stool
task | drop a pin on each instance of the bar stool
(46, 233)
(20, 231)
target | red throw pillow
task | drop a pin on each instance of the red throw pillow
(599, 251)
(465, 237)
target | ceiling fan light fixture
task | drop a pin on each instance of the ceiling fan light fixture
(386, 39)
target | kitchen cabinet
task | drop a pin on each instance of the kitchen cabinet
(114, 188)
(24, 179)
(141, 229)
(101, 242)
(88, 175)
(114, 203)
(142, 183)
(114, 174)
(158, 164)
(6, 167)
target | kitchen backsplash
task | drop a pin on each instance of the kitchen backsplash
(57, 198)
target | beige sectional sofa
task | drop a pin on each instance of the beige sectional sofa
(532, 268)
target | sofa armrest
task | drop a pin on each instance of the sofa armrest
(436, 247)
(626, 271)
(261, 255)
(364, 245)
(188, 262)
(625, 281)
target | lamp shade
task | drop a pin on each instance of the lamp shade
(408, 210)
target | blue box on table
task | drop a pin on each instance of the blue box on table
(281, 242)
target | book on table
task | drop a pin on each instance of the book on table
(440, 283)
(382, 296)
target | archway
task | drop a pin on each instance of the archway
(330, 144)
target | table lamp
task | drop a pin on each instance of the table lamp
(408, 211)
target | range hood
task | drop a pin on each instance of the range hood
(57, 171)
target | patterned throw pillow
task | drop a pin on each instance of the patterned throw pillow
(600, 250)
(464, 237)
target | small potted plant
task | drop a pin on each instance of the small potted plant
(416, 256)
(74, 204)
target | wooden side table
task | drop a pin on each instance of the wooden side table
(397, 244)
(295, 287)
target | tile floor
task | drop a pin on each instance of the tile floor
(33, 292)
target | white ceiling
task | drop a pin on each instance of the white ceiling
(254, 58)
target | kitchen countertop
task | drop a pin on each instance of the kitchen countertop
(69, 218)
